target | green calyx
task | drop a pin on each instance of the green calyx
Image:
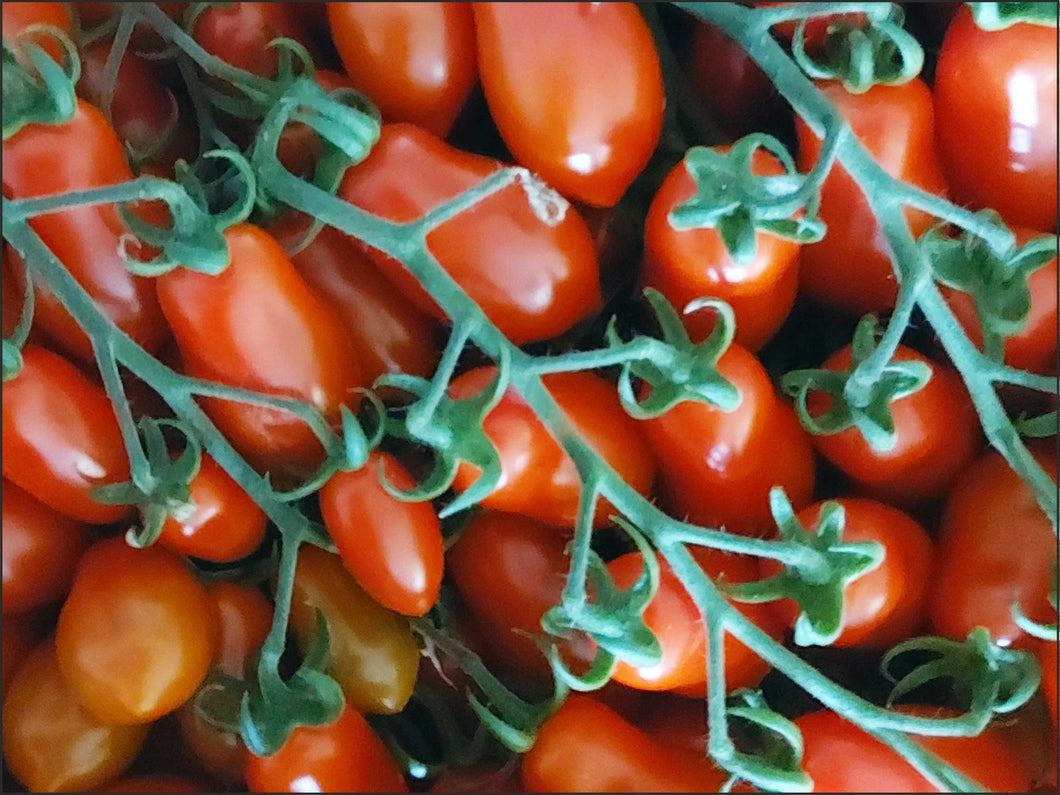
(37, 90)
(998, 16)
(776, 763)
(818, 584)
(737, 203)
(853, 403)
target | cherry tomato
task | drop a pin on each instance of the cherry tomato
(19, 633)
(51, 744)
(887, 604)
(532, 279)
(13, 295)
(415, 61)
(479, 778)
(19, 16)
(840, 757)
(995, 548)
(343, 756)
(1050, 665)
(41, 549)
(710, 461)
(372, 653)
(257, 325)
(538, 479)
(586, 747)
(226, 525)
(584, 112)
(995, 105)
(936, 430)
(136, 635)
(239, 33)
(61, 438)
(687, 264)
(392, 547)
(673, 720)
(83, 153)
(851, 268)
(154, 784)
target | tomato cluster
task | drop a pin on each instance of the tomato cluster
(232, 483)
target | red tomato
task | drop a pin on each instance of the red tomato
(227, 524)
(710, 461)
(538, 479)
(585, 111)
(532, 280)
(13, 295)
(674, 720)
(840, 757)
(392, 547)
(887, 604)
(136, 635)
(51, 744)
(83, 153)
(257, 325)
(19, 16)
(673, 617)
(239, 33)
(687, 264)
(1050, 665)
(343, 756)
(479, 778)
(415, 61)
(995, 547)
(995, 96)
(41, 548)
(154, 784)
(936, 429)
(19, 634)
(585, 747)
(61, 438)
(851, 268)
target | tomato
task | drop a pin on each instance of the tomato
(995, 105)
(41, 549)
(538, 479)
(390, 334)
(936, 436)
(1032, 348)
(710, 461)
(851, 268)
(816, 27)
(226, 525)
(372, 654)
(154, 784)
(136, 635)
(257, 325)
(13, 295)
(687, 264)
(83, 153)
(840, 757)
(51, 744)
(995, 548)
(532, 279)
(239, 33)
(887, 604)
(343, 756)
(61, 438)
(19, 633)
(1050, 665)
(586, 747)
(414, 61)
(479, 778)
(585, 112)
(673, 617)
(392, 547)
(509, 570)
(19, 16)
(673, 720)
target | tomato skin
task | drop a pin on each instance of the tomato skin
(136, 634)
(586, 747)
(41, 548)
(831, 743)
(584, 112)
(61, 438)
(538, 479)
(710, 461)
(688, 264)
(887, 604)
(990, 513)
(995, 95)
(40, 160)
(19, 633)
(534, 281)
(1050, 665)
(851, 269)
(52, 744)
(227, 524)
(18, 16)
(392, 547)
(343, 756)
(415, 61)
(295, 347)
(372, 654)
(239, 33)
(937, 434)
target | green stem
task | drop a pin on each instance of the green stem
(139, 467)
